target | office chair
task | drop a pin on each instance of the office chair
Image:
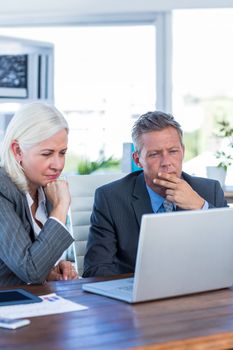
(82, 189)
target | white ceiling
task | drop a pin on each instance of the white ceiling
(20, 12)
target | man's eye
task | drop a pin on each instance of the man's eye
(154, 154)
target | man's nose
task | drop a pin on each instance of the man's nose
(165, 159)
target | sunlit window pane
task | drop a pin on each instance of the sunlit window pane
(202, 78)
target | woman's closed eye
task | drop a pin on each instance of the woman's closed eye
(46, 154)
(50, 153)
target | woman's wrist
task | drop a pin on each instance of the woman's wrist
(59, 213)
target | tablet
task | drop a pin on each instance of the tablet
(17, 296)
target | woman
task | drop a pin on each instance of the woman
(33, 202)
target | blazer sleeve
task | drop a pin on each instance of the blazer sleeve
(208, 189)
(29, 261)
(100, 257)
(219, 199)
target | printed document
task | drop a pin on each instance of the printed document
(51, 304)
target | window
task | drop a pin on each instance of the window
(202, 78)
(104, 77)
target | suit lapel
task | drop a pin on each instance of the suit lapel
(140, 199)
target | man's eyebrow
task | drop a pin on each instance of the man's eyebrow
(154, 150)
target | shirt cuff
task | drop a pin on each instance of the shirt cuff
(205, 206)
(61, 223)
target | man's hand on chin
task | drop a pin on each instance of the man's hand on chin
(179, 191)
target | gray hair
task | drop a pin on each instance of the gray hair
(31, 124)
(153, 121)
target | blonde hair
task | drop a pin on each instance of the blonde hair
(31, 124)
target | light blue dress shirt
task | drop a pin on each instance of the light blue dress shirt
(156, 201)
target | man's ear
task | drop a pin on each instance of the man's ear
(136, 159)
(16, 150)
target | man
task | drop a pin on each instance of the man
(160, 186)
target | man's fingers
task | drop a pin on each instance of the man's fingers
(170, 199)
(165, 183)
(169, 192)
(169, 177)
(167, 180)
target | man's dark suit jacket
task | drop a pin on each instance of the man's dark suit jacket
(116, 217)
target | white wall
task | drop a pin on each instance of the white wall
(22, 12)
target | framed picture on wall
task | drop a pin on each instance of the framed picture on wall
(26, 70)
(13, 76)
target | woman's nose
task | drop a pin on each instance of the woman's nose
(57, 163)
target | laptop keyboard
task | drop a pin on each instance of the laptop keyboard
(126, 288)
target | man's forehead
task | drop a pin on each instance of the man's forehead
(163, 136)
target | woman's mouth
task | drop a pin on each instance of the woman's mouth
(52, 177)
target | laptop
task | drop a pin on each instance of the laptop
(178, 253)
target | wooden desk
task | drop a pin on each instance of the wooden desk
(228, 193)
(203, 321)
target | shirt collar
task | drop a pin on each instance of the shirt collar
(155, 198)
(41, 197)
(41, 212)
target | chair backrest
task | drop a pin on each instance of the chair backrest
(82, 189)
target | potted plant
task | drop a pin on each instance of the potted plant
(85, 166)
(224, 158)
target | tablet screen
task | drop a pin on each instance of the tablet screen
(17, 296)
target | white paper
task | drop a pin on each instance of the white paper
(51, 304)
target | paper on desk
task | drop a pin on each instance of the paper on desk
(51, 304)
